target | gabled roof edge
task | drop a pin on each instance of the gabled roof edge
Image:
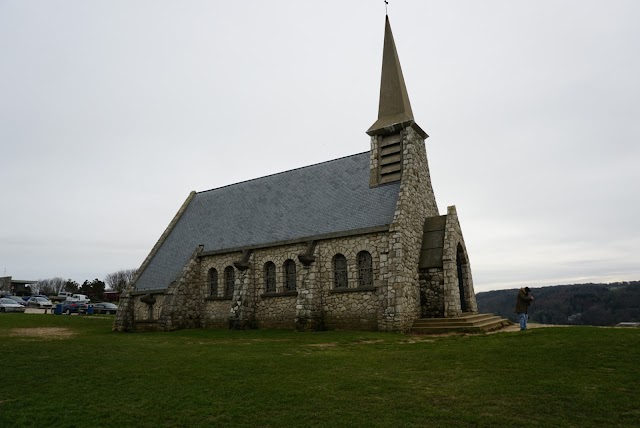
(163, 237)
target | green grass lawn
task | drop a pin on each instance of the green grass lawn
(575, 376)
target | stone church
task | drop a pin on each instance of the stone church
(351, 243)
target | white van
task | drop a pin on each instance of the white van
(65, 294)
(80, 298)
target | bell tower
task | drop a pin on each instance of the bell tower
(394, 116)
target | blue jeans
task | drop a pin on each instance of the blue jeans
(522, 316)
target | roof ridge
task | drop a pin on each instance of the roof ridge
(282, 172)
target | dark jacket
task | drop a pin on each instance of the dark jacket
(523, 301)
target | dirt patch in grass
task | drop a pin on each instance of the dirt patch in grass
(367, 342)
(510, 328)
(417, 339)
(42, 333)
(323, 345)
(530, 325)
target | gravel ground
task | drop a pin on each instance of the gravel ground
(38, 311)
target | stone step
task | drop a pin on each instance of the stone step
(475, 323)
(462, 319)
(489, 326)
(455, 321)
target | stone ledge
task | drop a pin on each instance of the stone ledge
(217, 298)
(352, 290)
(283, 294)
(146, 321)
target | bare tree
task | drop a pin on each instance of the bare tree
(49, 286)
(119, 280)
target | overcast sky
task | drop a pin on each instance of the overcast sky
(111, 112)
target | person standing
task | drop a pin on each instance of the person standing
(523, 301)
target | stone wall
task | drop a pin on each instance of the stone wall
(355, 307)
(315, 304)
(216, 308)
(352, 309)
(124, 319)
(184, 300)
(432, 293)
(416, 202)
(439, 287)
(148, 317)
(276, 309)
(453, 241)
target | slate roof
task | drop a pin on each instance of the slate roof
(321, 199)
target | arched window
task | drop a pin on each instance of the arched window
(340, 271)
(289, 275)
(365, 269)
(229, 281)
(270, 277)
(213, 282)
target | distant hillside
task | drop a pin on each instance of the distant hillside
(578, 304)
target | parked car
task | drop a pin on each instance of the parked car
(39, 302)
(78, 298)
(17, 299)
(104, 308)
(10, 305)
(64, 294)
(70, 307)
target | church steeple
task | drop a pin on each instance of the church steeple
(394, 109)
(395, 128)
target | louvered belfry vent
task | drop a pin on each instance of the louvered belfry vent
(390, 158)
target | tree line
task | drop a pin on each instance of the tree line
(577, 304)
(95, 289)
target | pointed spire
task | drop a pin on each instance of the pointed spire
(394, 110)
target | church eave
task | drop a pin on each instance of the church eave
(386, 126)
(333, 235)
